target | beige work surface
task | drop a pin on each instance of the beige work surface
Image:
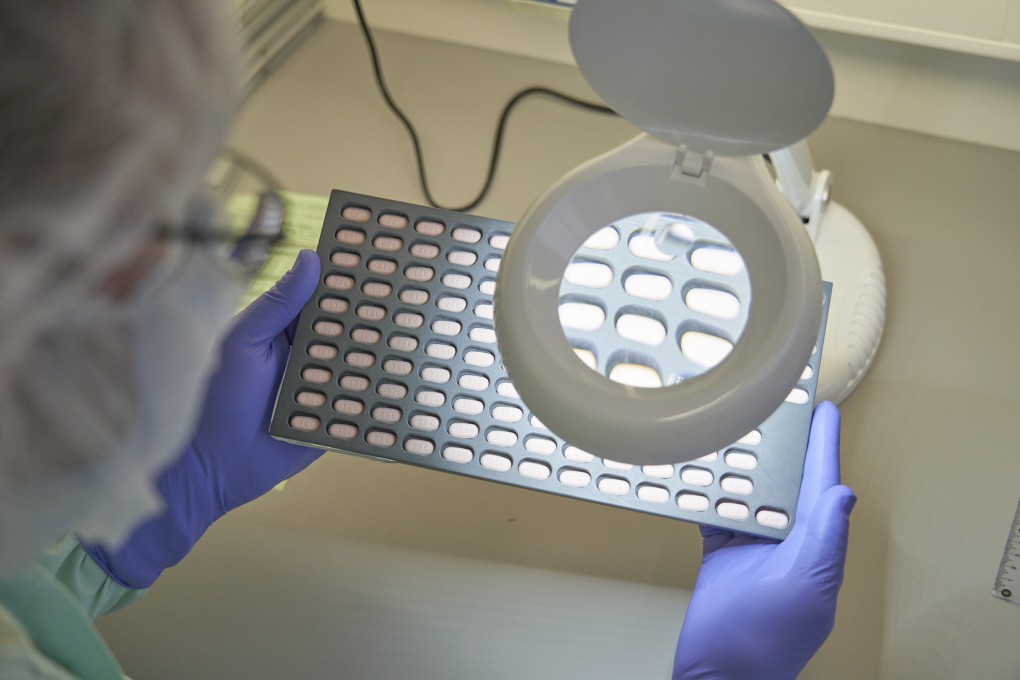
(367, 570)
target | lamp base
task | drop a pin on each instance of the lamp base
(849, 259)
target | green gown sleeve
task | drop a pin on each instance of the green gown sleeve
(46, 613)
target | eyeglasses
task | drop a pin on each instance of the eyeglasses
(243, 230)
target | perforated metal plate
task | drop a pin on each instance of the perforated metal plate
(395, 358)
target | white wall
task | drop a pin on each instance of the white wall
(950, 69)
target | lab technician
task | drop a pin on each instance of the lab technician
(134, 411)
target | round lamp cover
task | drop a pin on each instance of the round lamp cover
(738, 77)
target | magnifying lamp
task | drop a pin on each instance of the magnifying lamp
(714, 85)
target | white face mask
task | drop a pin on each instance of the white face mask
(104, 403)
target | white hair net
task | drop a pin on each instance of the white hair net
(110, 111)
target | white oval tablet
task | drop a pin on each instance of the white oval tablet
(330, 329)
(773, 519)
(741, 460)
(652, 493)
(578, 456)
(376, 289)
(643, 245)
(482, 334)
(752, 438)
(477, 357)
(648, 286)
(344, 431)
(414, 296)
(658, 471)
(605, 238)
(636, 375)
(717, 261)
(508, 414)
(339, 282)
(435, 374)
(704, 349)
(387, 414)
(346, 260)
(323, 352)
(498, 437)
(446, 327)
(614, 486)
(742, 486)
(425, 251)
(382, 266)
(310, 399)
(430, 398)
(458, 454)
(471, 407)
(348, 407)
(463, 258)
(381, 438)
(398, 366)
(463, 429)
(366, 336)
(495, 461)
(731, 510)
(499, 240)
(419, 273)
(333, 305)
(581, 316)
(354, 383)
(694, 502)
(429, 228)
(419, 447)
(575, 478)
(458, 281)
(425, 421)
(714, 303)
(359, 359)
(798, 396)
(316, 375)
(473, 381)
(441, 350)
(487, 287)
(614, 465)
(408, 319)
(505, 388)
(355, 213)
(389, 244)
(371, 312)
(304, 423)
(393, 220)
(451, 303)
(485, 310)
(403, 343)
(534, 470)
(391, 390)
(466, 235)
(696, 476)
(640, 328)
(492, 264)
(352, 237)
(541, 445)
(589, 274)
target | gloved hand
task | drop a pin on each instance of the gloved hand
(761, 608)
(231, 459)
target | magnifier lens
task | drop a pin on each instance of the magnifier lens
(654, 299)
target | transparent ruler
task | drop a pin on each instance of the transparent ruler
(1007, 581)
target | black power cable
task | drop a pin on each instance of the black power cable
(497, 144)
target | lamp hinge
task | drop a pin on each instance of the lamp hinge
(691, 163)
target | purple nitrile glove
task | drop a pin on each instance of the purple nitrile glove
(762, 608)
(231, 459)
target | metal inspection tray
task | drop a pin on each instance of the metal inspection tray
(395, 358)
